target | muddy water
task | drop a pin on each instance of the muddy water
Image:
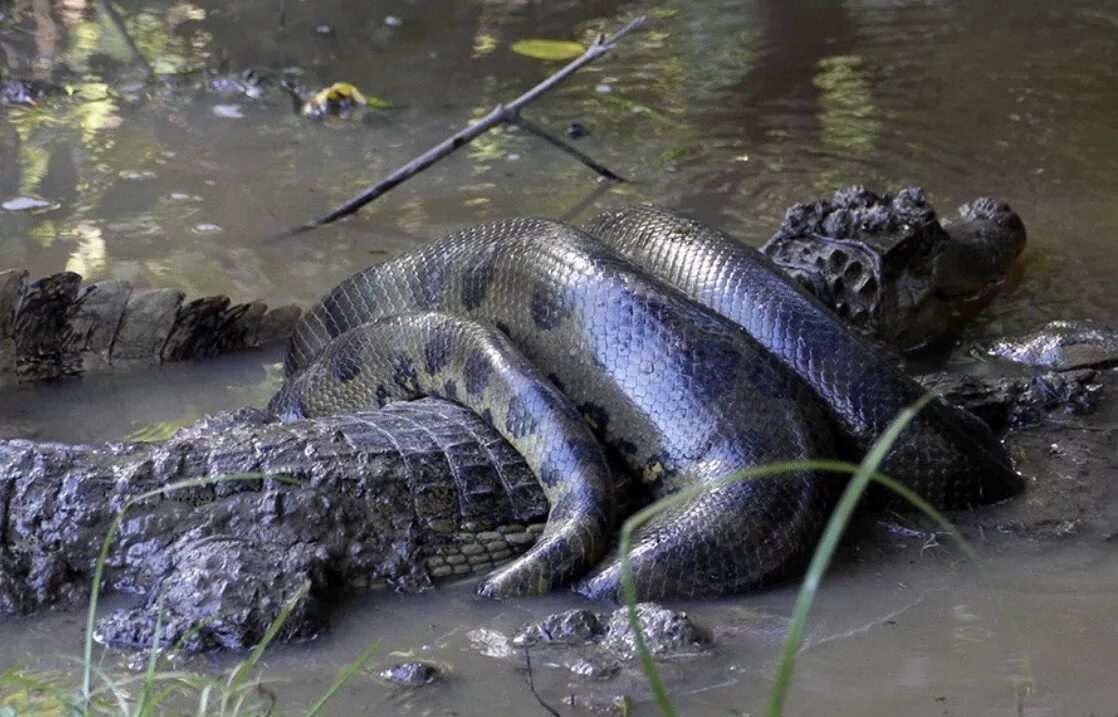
(730, 110)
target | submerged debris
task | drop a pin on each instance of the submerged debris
(411, 674)
(1061, 345)
(1014, 401)
(577, 130)
(249, 82)
(31, 93)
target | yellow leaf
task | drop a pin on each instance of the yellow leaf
(548, 49)
(337, 98)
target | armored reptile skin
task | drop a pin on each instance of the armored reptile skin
(672, 387)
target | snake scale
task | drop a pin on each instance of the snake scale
(647, 342)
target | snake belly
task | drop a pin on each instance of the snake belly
(681, 395)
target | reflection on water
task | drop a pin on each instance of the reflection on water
(732, 110)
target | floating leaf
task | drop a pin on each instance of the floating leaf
(336, 99)
(548, 49)
(379, 103)
(28, 204)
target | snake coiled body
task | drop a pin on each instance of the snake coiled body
(688, 357)
(949, 457)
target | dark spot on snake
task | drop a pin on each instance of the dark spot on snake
(333, 314)
(404, 374)
(436, 354)
(476, 374)
(520, 418)
(768, 378)
(343, 366)
(450, 390)
(627, 447)
(547, 306)
(430, 279)
(382, 395)
(503, 328)
(596, 416)
(487, 416)
(581, 455)
(476, 282)
(552, 472)
(721, 363)
(586, 451)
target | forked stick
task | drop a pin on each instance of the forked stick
(501, 114)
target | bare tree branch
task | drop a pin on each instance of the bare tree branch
(533, 128)
(501, 114)
(118, 24)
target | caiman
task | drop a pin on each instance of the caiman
(416, 491)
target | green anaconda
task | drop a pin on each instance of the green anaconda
(687, 355)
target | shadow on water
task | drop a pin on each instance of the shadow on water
(731, 110)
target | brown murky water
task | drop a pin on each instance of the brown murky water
(730, 110)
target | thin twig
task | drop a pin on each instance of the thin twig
(118, 23)
(501, 114)
(532, 684)
(551, 139)
(573, 214)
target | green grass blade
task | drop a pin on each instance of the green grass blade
(625, 544)
(629, 594)
(94, 595)
(113, 688)
(819, 561)
(204, 701)
(239, 676)
(103, 556)
(343, 677)
(825, 551)
(999, 596)
(153, 660)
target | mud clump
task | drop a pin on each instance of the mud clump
(597, 646)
